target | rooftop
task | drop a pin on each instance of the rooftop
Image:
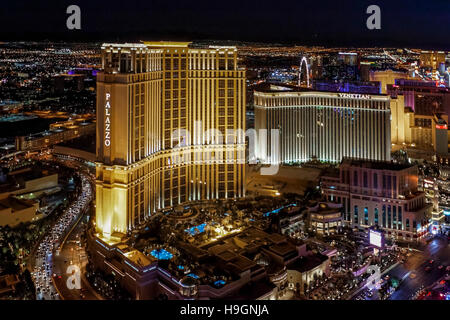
(15, 204)
(307, 263)
(289, 89)
(284, 249)
(376, 165)
(138, 258)
(16, 180)
(166, 43)
(253, 290)
(324, 208)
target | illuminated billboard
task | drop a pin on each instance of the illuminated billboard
(376, 238)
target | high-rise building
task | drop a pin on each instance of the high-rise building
(432, 59)
(423, 97)
(372, 87)
(364, 71)
(170, 129)
(299, 125)
(379, 193)
(420, 118)
(348, 58)
(386, 77)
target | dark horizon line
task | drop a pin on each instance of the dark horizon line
(135, 36)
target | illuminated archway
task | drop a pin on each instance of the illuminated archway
(305, 62)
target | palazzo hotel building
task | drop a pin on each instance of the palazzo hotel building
(170, 129)
(326, 126)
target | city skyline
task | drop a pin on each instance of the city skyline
(229, 155)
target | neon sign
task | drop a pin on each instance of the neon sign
(108, 121)
(441, 126)
(354, 96)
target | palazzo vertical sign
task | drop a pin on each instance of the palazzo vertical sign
(107, 138)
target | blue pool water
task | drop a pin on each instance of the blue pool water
(196, 229)
(161, 254)
(278, 210)
(219, 283)
(193, 275)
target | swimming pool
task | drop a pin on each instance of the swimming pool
(219, 283)
(278, 210)
(161, 254)
(196, 229)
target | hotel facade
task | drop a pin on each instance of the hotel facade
(420, 123)
(379, 193)
(320, 125)
(170, 129)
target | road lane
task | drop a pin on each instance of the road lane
(43, 265)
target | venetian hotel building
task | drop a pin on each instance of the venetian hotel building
(319, 125)
(161, 110)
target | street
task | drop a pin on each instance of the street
(73, 253)
(413, 271)
(43, 265)
(414, 274)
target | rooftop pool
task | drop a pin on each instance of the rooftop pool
(219, 283)
(196, 229)
(161, 254)
(278, 210)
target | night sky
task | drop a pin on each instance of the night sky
(412, 23)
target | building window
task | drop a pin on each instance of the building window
(376, 216)
(407, 224)
(355, 178)
(394, 217)
(375, 181)
(355, 216)
(389, 225)
(366, 216)
(384, 216)
(400, 219)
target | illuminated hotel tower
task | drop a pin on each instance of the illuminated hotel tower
(323, 125)
(170, 129)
